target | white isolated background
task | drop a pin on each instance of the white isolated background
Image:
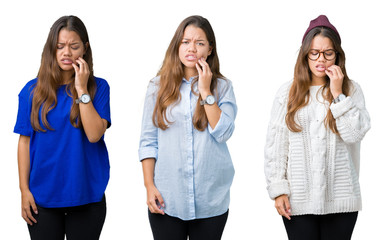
(257, 43)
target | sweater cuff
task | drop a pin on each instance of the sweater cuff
(278, 188)
(338, 109)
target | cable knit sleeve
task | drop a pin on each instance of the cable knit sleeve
(352, 118)
(277, 145)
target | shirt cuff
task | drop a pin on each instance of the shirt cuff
(147, 152)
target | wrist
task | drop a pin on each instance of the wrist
(24, 189)
(81, 91)
(149, 184)
(335, 94)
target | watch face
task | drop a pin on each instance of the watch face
(210, 100)
(85, 98)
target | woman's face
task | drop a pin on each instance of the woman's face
(318, 67)
(194, 45)
(69, 48)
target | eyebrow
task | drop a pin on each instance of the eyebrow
(69, 44)
(199, 40)
(324, 50)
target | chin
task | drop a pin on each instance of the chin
(320, 74)
(66, 68)
(190, 65)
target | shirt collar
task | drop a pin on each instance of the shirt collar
(190, 79)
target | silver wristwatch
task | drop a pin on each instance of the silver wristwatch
(339, 98)
(209, 100)
(84, 98)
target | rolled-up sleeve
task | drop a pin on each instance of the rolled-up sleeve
(227, 104)
(148, 147)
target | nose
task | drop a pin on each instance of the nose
(321, 57)
(67, 51)
(192, 47)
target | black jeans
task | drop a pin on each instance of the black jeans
(165, 227)
(337, 226)
(77, 223)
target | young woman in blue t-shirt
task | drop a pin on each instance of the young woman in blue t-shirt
(189, 114)
(63, 160)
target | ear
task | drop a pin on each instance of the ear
(210, 51)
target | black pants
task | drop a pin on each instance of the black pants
(165, 227)
(337, 226)
(77, 223)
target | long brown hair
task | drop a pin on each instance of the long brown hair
(49, 78)
(299, 92)
(172, 73)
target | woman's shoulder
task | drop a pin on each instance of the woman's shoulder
(155, 80)
(223, 84)
(285, 87)
(283, 91)
(224, 81)
(154, 83)
(101, 82)
(27, 89)
(354, 85)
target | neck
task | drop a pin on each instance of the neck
(190, 72)
(66, 77)
(316, 81)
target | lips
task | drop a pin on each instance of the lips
(191, 57)
(67, 61)
(320, 68)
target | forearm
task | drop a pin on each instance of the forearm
(148, 171)
(213, 111)
(94, 126)
(23, 162)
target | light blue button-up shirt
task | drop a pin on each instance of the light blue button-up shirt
(193, 170)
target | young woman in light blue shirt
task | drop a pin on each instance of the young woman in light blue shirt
(188, 116)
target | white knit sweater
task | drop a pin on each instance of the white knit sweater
(316, 168)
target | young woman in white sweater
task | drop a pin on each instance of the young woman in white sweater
(312, 152)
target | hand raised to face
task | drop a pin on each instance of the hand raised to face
(205, 77)
(336, 77)
(81, 75)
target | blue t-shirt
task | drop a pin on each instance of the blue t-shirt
(65, 168)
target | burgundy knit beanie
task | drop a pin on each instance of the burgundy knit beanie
(320, 21)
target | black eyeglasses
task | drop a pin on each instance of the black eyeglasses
(328, 54)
